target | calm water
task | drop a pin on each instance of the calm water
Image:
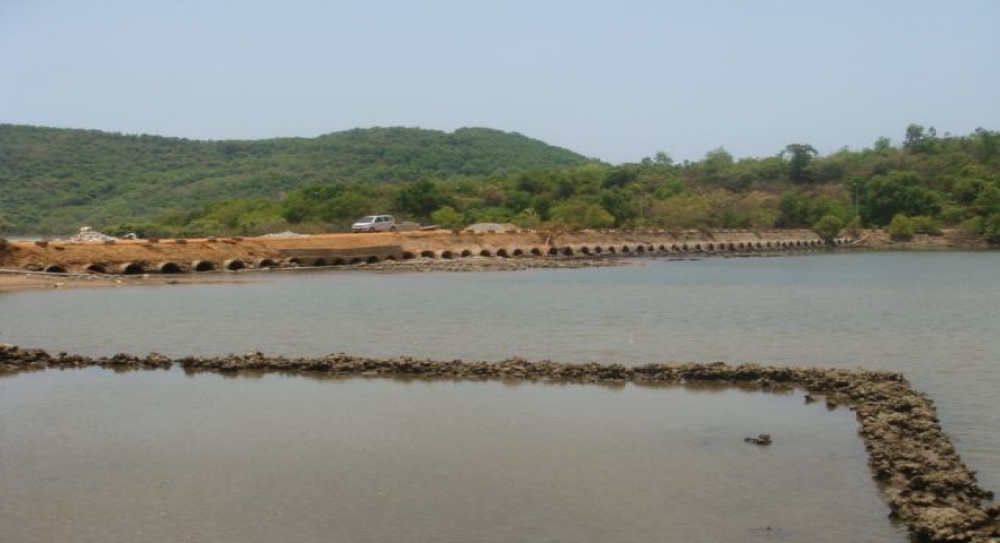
(626, 464)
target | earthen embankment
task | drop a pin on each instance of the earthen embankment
(176, 256)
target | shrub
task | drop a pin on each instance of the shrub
(854, 227)
(828, 227)
(901, 228)
(926, 225)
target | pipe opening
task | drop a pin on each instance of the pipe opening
(372, 260)
(517, 252)
(502, 253)
(536, 251)
(407, 255)
(293, 262)
(447, 254)
(339, 261)
(626, 249)
(427, 254)
(567, 251)
(265, 263)
(553, 251)
(466, 253)
(684, 247)
(598, 250)
(131, 268)
(356, 260)
(640, 249)
(54, 268)
(95, 268)
(234, 264)
(204, 265)
(168, 267)
(486, 253)
(390, 258)
(585, 250)
(320, 262)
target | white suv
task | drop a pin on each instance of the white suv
(375, 223)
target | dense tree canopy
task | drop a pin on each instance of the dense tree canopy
(158, 186)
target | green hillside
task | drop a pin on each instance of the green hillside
(54, 180)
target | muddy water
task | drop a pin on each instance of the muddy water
(90, 455)
(933, 316)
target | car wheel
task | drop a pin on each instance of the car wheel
(392, 228)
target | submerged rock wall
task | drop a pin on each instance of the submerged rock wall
(924, 482)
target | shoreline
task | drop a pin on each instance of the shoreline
(18, 280)
(922, 478)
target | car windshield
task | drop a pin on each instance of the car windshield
(370, 218)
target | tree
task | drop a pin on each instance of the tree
(828, 227)
(918, 141)
(799, 156)
(448, 218)
(421, 198)
(579, 213)
(898, 192)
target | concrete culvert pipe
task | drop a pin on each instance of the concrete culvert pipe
(553, 251)
(427, 254)
(447, 254)
(95, 268)
(465, 253)
(168, 267)
(390, 258)
(130, 268)
(640, 249)
(372, 260)
(486, 253)
(320, 262)
(567, 251)
(535, 251)
(356, 260)
(338, 262)
(518, 252)
(626, 249)
(234, 264)
(598, 250)
(585, 250)
(407, 255)
(293, 262)
(265, 263)
(502, 253)
(203, 266)
(54, 268)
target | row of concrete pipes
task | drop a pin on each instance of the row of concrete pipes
(623, 250)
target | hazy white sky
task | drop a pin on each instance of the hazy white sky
(615, 80)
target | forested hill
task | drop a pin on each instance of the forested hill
(54, 179)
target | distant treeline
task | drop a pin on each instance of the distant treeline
(925, 183)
